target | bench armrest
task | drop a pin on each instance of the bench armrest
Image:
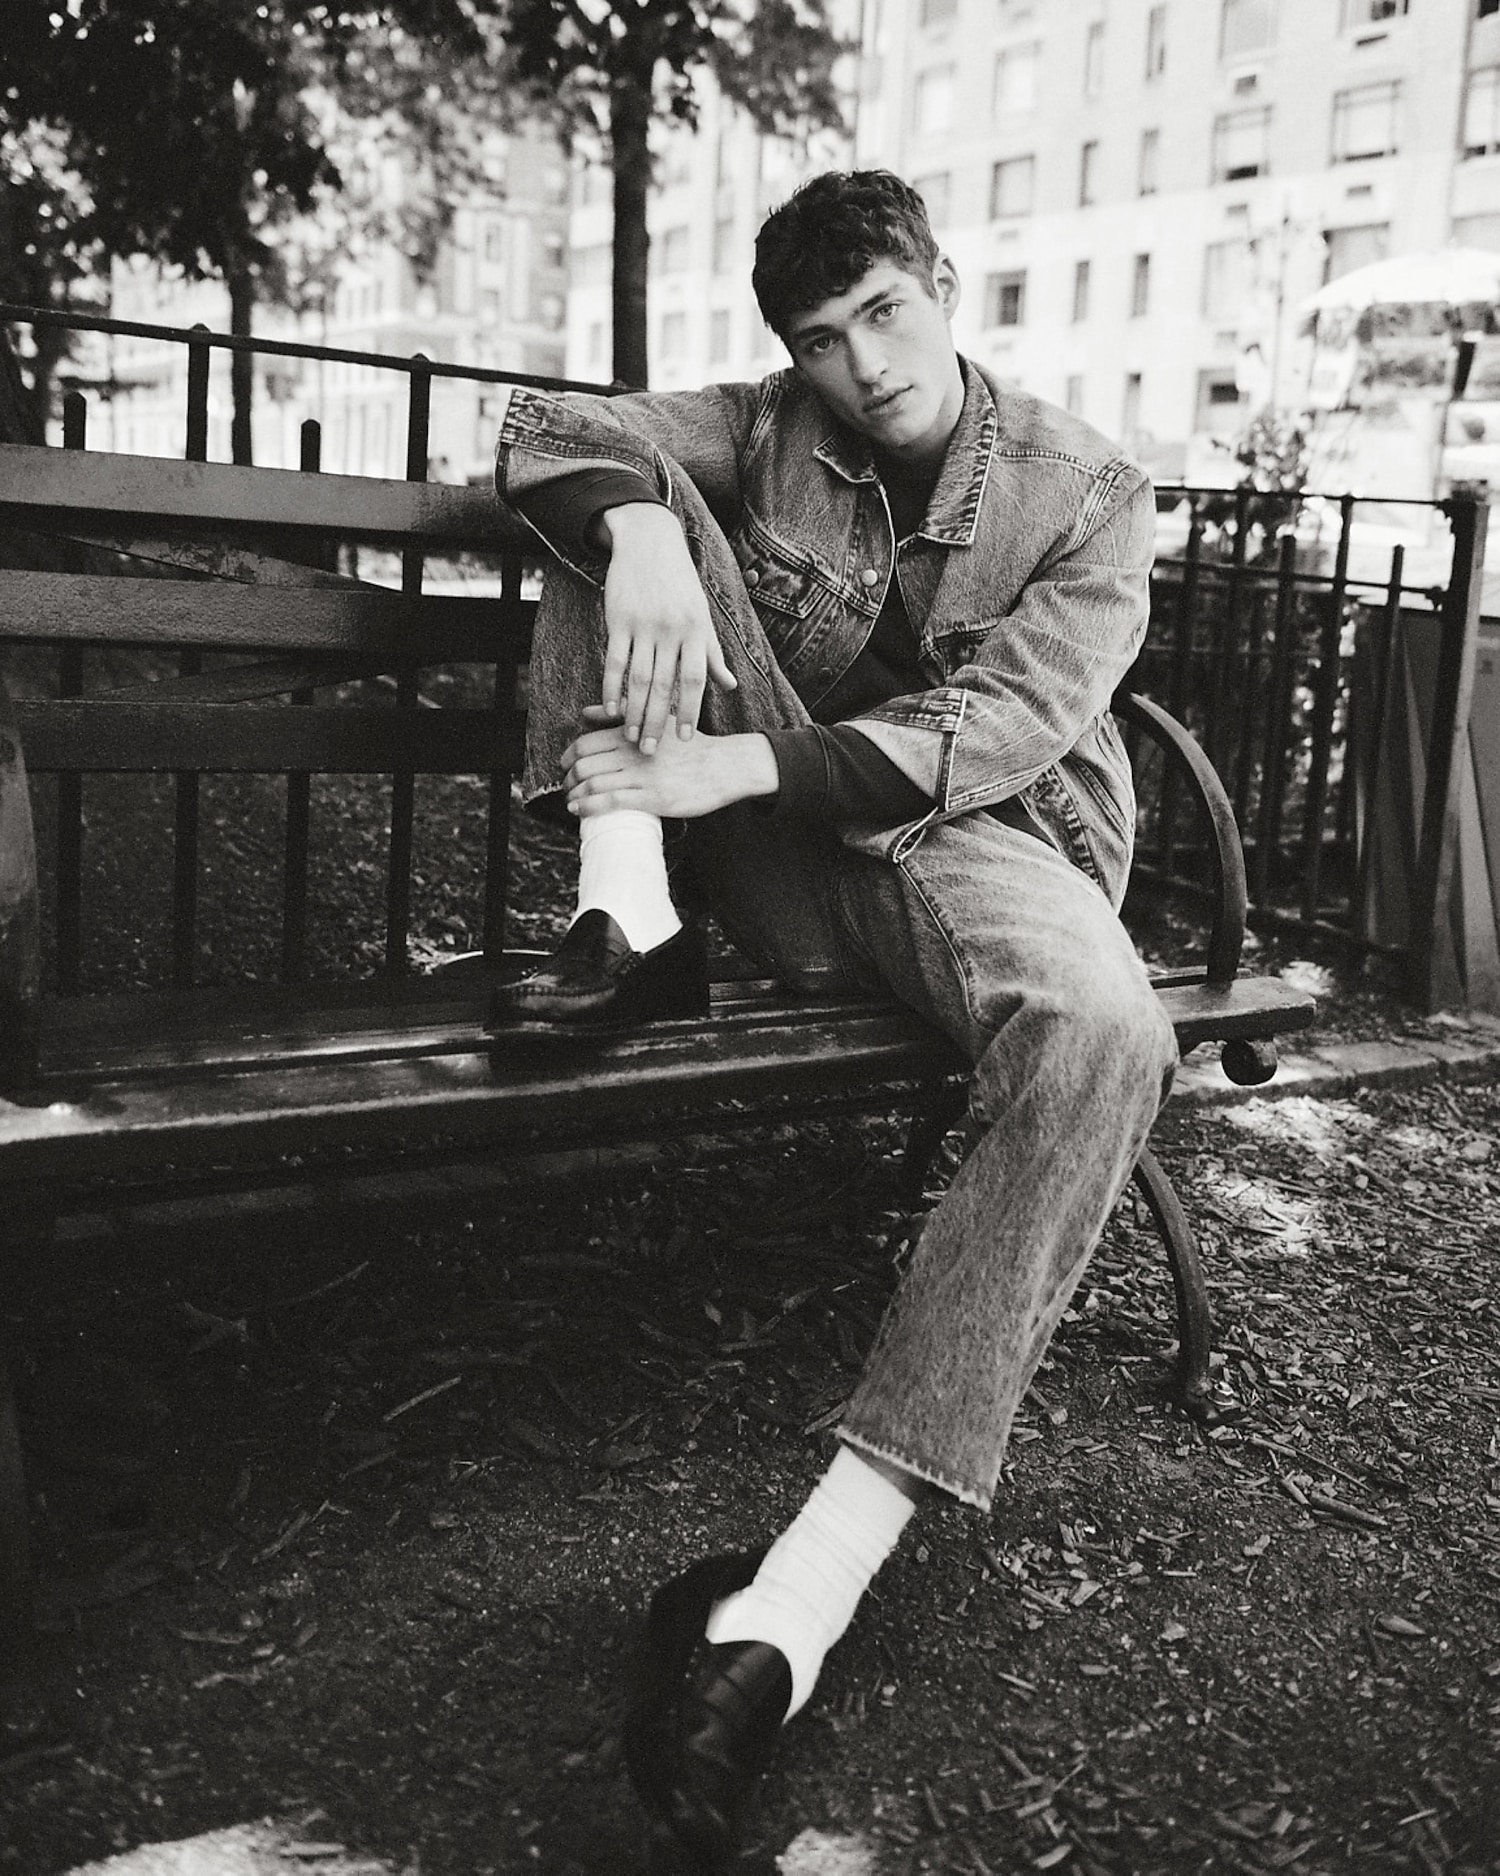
(1226, 938)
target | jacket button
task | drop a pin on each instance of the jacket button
(752, 577)
(825, 670)
(869, 576)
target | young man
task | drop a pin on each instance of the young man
(857, 626)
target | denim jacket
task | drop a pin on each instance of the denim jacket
(1027, 584)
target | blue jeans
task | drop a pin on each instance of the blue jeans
(989, 932)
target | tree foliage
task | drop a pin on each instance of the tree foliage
(617, 66)
(197, 132)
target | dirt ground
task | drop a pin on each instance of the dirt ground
(345, 1520)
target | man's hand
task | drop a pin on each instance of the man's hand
(660, 638)
(681, 781)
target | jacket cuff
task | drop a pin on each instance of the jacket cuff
(565, 510)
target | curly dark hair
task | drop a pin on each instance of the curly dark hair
(830, 233)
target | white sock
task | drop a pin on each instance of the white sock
(623, 871)
(805, 1593)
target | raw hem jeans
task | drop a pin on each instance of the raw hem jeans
(988, 932)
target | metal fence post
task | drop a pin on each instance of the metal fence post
(1436, 972)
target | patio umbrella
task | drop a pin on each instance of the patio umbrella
(1444, 277)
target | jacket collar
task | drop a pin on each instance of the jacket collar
(953, 512)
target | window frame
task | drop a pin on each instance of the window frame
(997, 285)
(1344, 109)
(1023, 163)
(1491, 146)
(1156, 42)
(1219, 171)
(1227, 12)
(1029, 50)
(1088, 181)
(1140, 287)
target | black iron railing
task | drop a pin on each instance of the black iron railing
(1279, 652)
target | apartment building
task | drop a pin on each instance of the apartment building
(1138, 194)
(496, 296)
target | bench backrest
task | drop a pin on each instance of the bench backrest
(257, 621)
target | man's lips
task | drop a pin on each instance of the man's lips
(878, 406)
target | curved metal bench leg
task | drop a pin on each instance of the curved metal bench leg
(1194, 1321)
(15, 1561)
(943, 1107)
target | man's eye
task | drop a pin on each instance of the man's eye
(885, 312)
(815, 348)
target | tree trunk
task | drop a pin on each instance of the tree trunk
(629, 122)
(241, 282)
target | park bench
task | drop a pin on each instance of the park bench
(189, 619)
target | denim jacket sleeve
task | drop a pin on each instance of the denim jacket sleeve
(546, 438)
(1034, 681)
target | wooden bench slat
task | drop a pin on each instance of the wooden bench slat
(342, 1071)
(157, 738)
(435, 628)
(35, 483)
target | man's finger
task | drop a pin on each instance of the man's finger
(658, 706)
(718, 670)
(692, 678)
(642, 663)
(617, 656)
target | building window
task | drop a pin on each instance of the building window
(554, 252)
(1242, 144)
(1357, 13)
(1364, 121)
(1482, 112)
(1140, 287)
(1344, 249)
(1148, 171)
(1488, 6)
(1226, 280)
(1088, 174)
(718, 338)
(938, 12)
(598, 343)
(1015, 79)
(724, 244)
(672, 250)
(1246, 26)
(1218, 404)
(1073, 395)
(1005, 299)
(936, 192)
(494, 241)
(1130, 411)
(1156, 42)
(592, 266)
(1080, 292)
(932, 102)
(1093, 60)
(552, 311)
(1012, 187)
(673, 336)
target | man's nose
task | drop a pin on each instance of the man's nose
(866, 358)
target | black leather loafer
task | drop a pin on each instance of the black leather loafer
(594, 983)
(702, 1722)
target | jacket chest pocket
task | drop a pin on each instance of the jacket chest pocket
(793, 601)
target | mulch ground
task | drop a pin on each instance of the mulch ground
(348, 1521)
(345, 1517)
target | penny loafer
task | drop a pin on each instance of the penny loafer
(702, 1722)
(594, 983)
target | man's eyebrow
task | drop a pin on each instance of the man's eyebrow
(865, 306)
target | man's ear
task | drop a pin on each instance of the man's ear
(945, 285)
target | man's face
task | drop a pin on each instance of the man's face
(881, 358)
